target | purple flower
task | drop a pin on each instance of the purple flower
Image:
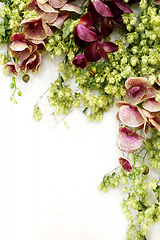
(126, 164)
(80, 61)
(84, 32)
(97, 50)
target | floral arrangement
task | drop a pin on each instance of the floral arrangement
(112, 52)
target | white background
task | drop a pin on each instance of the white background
(49, 174)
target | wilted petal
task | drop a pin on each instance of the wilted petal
(102, 9)
(122, 103)
(31, 63)
(60, 20)
(36, 28)
(155, 122)
(85, 34)
(18, 37)
(126, 164)
(12, 68)
(71, 8)
(41, 47)
(22, 48)
(138, 89)
(128, 140)
(137, 81)
(42, 1)
(57, 3)
(145, 114)
(151, 105)
(130, 116)
(46, 8)
(80, 61)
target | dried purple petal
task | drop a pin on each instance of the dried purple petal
(12, 68)
(126, 164)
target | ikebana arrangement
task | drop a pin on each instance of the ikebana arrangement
(112, 53)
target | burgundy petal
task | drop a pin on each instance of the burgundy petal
(126, 164)
(102, 9)
(102, 50)
(85, 34)
(91, 53)
(122, 6)
(107, 26)
(77, 40)
(130, 116)
(86, 20)
(95, 15)
(109, 47)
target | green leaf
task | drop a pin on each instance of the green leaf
(100, 67)
(2, 31)
(66, 28)
(157, 189)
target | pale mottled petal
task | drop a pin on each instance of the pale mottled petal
(128, 140)
(130, 116)
(151, 105)
(12, 68)
(71, 8)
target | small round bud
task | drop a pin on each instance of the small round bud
(93, 70)
(19, 93)
(11, 85)
(26, 78)
(146, 169)
(78, 72)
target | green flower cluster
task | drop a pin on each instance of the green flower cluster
(138, 205)
(60, 96)
(138, 55)
(11, 14)
(37, 114)
(152, 146)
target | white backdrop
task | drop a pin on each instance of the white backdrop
(49, 175)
